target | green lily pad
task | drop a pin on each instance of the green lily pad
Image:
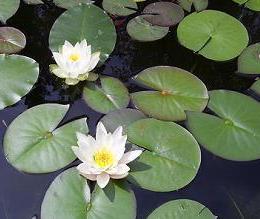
(256, 87)
(182, 209)
(12, 40)
(213, 34)
(141, 30)
(34, 144)
(8, 8)
(251, 4)
(92, 24)
(70, 4)
(69, 197)
(199, 5)
(234, 133)
(18, 75)
(120, 7)
(172, 158)
(110, 96)
(122, 117)
(174, 91)
(249, 60)
(164, 14)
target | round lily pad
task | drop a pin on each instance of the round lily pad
(164, 13)
(110, 96)
(70, 4)
(213, 34)
(182, 209)
(174, 91)
(249, 60)
(251, 4)
(233, 133)
(120, 7)
(12, 40)
(171, 159)
(8, 8)
(141, 30)
(256, 87)
(199, 5)
(33, 143)
(69, 197)
(93, 24)
(18, 75)
(122, 117)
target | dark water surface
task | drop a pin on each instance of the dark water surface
(223, 186)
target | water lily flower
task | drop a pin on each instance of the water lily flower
(74, 63)
(104, 158)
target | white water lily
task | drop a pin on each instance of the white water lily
(104, 158)
(74, 63)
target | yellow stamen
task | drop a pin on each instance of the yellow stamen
(104, 158)
(74, 57)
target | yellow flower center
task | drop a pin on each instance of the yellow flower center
(104, 158)
(74, 57)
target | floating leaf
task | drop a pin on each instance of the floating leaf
(141, 30)
(234, 133)
(12, 40)
(68, 197)
(164, 13)
(8, 8)
(171, 160)
(213, 34)
(251, 4)
(176, 91)
(249, 60)
(199, 5)
(120, 7)
(34, 144)
(182, 209)
(92, 24)
(18, 75)
(70, 4)
(256, 87)
(112, 95)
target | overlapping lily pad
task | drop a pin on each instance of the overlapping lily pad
(33, 143)
(256, 87)
(110, 96)
(171, 159)
(199, 5)
(69, 197)
(142, 30)
(18, 75)
(70, 4)
(85, 22)
(120, 7)
(8, 9)
(234, 133)
(174, 91)
(182, 209)
(251, 4)
(213, 34)
(249, 60)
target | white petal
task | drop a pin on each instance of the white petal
(78, 153)
(84, 168)
(102, 180)
(119, 170)
(101, 131)
(85, 141)
(59, 72)
(95, 57)
(66, 48)
(118, 132)
(119, 146)
(119, 176)
(59, 60)
(71, 81)
(130, 156)
(92, 177)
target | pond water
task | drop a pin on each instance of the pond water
(230, 189)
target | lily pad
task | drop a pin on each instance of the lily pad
(182, 209)
(142, 30)
(251, 4)
(234, 133)
(171, 159)
(110, 96)
(33, 143)
(249, 60)
(213, 34)
(174, 91)
(8, 8)
(18, 75)
(256, 87)
(12, 40)
(199, 5)
(164, 13)
(69, 197)
(70, 4)
(93, 24)
(120, 7)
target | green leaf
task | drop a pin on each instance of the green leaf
(233, 133)
(120, 7)
(176, 91)
(251, 4)
(182, 209)
(70, 4)
(18, 75)
(172, 156)
(141, 30)
(34, 144)
(68, 197)
(92, 24)
(199, 5)
(8, 8)
(213, 34)
(256, 87)
(249, 60)
(112, 95)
